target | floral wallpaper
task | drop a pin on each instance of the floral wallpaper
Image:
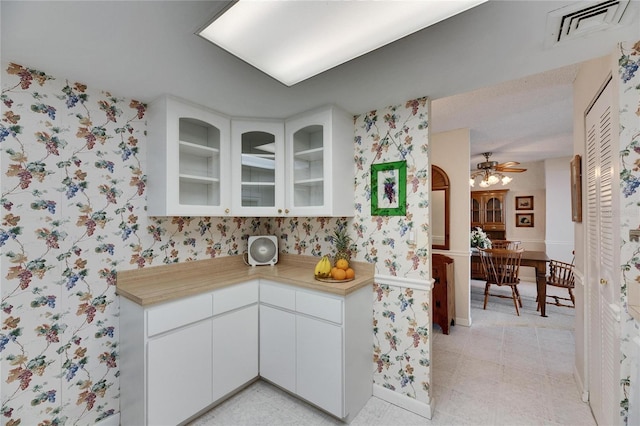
(401, 317)
(629, 95)
(73, 213)
(72, 163)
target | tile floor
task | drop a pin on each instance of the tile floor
(503, 370)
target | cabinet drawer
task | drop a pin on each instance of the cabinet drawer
(177, 314)
(235, 296)
(277, 295)
(319, 306)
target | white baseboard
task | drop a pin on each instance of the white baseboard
(584, 394)
(465, 322)
(410, 404)
(110, 421)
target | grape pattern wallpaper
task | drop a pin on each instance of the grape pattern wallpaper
(629, 96)
(402, 317)
(73, 184)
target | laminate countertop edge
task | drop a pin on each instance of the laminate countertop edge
(157, 284)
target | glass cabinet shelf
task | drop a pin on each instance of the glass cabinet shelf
(197, 179)
(258, 184)
(196, 149)
(310, 154)
(309, 182)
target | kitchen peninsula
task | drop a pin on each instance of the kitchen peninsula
(194, 333)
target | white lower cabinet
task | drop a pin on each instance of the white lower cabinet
(318, 346)
(179, 377)
(278, 347)
(179, 357)
(235, 349)
(319, 358)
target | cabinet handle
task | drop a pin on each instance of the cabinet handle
(227, 211)
(286, 211)
(603, 281)
(279, 210)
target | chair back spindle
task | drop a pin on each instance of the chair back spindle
(505, 244)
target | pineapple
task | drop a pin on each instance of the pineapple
(341, 241)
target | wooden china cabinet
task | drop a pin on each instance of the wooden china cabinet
(488, 212)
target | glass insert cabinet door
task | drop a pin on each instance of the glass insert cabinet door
(308, 167)
(493, 210)
(258, 147)
(188, 160)
(476, 212)
(199, 163)
(258, 170)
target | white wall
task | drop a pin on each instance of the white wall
(529, 183)
(559, 233)
(450, 152)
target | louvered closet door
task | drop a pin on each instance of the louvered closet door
(603, 265)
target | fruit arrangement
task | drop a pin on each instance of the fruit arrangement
(341, 269)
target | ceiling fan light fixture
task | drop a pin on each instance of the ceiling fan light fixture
(493, 179)
(491, 172)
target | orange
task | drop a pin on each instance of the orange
(342, 264)
(333, 270)
(339, 274)
(350, 273)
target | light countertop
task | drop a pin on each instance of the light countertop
(156, 284)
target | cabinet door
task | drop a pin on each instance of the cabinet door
(306, 151)
(320, 172)
(258, 168)
(476, 212)
(319, 358)
(494, 212)
(188, 160)
(179, 379)
(278, 347)
(235, 350)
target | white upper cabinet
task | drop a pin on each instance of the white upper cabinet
(188, 160)
(258, 168)
(320, 165)
(202, 163)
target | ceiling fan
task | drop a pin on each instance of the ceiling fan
(492, 172)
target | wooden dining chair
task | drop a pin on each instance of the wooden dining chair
(561, 275)
(505, 244)
(502, 268)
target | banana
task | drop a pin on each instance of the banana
(323, 268)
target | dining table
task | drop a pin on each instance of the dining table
(537, 260)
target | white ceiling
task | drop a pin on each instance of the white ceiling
(487, 69)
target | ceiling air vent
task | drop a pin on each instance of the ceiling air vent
(581, 18)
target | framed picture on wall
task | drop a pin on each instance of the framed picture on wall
(389, 189)
(524, 220)
(576, 189)
(524, 203)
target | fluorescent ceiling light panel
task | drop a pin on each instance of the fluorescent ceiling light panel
(294, 40)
